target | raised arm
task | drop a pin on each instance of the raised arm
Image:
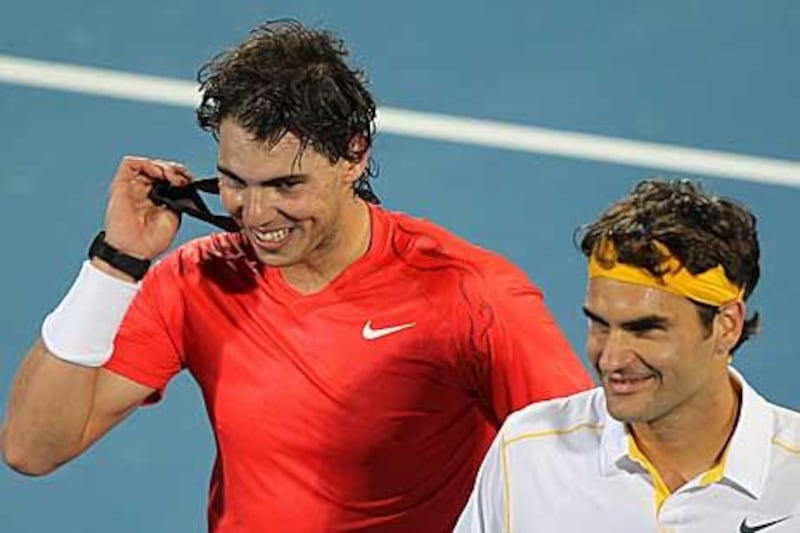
(57, 409)
(62, 400)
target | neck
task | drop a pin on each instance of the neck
(685, 445)
(348, 241)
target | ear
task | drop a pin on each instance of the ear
(355, 169)
(728, 326)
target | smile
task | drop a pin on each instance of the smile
(627, 384)
(271, 236)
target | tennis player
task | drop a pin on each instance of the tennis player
(355, 362)
(676, 440)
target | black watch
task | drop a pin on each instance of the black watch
(133, 266)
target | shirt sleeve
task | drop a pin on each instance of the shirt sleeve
(146, 347)
(486, 510)
(518, 354)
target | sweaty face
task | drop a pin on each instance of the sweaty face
(287, 203)
(651, 351)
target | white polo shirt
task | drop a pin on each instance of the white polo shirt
(566, 466)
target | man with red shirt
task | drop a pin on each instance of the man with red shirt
(355, 363)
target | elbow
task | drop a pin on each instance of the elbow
(25, 461)
(28, 465)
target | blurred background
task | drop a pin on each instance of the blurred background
(718, 76)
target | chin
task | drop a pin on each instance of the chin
(275, 260)
(627, 414)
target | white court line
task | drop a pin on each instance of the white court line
(502, 135)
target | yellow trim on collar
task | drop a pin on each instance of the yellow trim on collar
(711, 287)
(717, 471)
(661, 490)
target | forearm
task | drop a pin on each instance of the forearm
(48, 412)
(61, 399)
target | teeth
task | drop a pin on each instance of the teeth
(627, 379)
(272, 236)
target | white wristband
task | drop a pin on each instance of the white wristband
(81, 329)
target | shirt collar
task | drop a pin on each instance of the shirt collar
(614, 439)
(750, 448)
(748, 454)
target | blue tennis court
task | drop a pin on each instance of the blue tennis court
(718, 77)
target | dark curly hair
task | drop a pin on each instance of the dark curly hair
(700, 230)
(288, 78)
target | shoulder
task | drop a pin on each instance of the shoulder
(424, 245)
(557, 419)
(204, 257)
(217, 246)
(787, 430)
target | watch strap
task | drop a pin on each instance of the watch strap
(133, 266)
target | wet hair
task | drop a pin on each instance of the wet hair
(700, 230)
(286, 78)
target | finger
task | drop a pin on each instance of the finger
(175, 173)
(139, 169)
(146, 170)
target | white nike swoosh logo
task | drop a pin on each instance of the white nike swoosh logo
(372, 334)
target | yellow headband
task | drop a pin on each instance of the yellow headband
(711, 287)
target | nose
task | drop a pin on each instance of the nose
(257, 205)
(611, 351)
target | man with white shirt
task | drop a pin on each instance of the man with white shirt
(675, 440)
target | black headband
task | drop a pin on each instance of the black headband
(188, 200)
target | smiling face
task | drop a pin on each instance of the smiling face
(292, 206)
(653, 355)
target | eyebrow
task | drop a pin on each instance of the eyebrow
(231, 174)
(644, 323)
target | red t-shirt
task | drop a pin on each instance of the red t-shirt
(367, 406)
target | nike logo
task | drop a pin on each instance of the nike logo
(744, 528)
(371, 334)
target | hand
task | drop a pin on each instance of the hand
(134, 224)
